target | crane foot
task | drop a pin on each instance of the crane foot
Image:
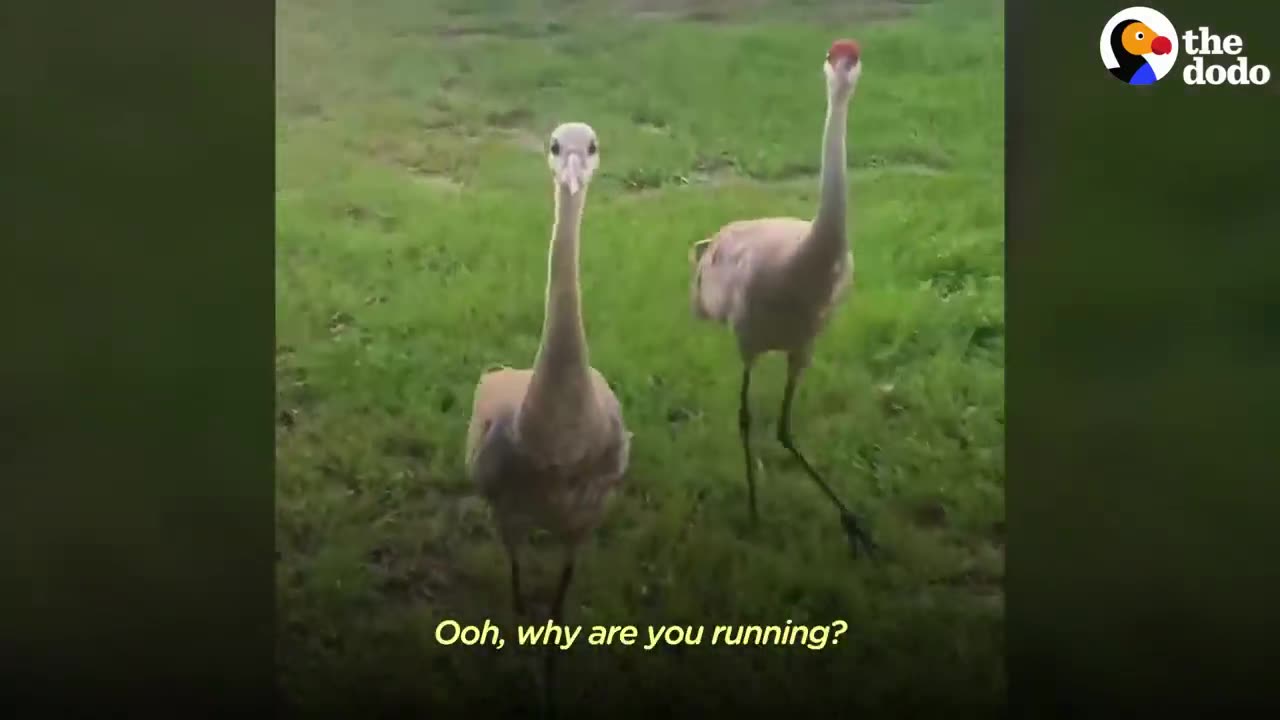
(860, 539)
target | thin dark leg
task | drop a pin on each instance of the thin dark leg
(562, 589)
(511, 541)
(557, 615)
(744, 428)
(517, 599)
(854, 527)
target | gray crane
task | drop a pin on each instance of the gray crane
(547, 446)
(774, 281)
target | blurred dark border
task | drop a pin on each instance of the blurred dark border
(1143, 371)
(136, 384)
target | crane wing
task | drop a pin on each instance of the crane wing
(725, 263)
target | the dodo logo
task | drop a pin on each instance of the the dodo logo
(1139, 45)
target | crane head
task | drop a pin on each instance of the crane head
(573, 155)
(843, 66)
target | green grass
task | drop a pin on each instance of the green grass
(413, 216)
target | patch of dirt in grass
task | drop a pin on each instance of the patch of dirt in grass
(695, 10)
(715, 171)
(524, 139)
(301, 108)
(435, 181)
(509, 118)
(907, 163)
(788, 172)
(411, 577)
(463, 31)
(705, 171)
(516, 28)
(432, 153)
(929, 514)
(979, 580)
(998, 535)
(339, 322)
(985, 337)
(740, 11)
(409, 446)
(983, 571)
(438, 119)
(872, 11)
(913, 161)
(362, 214)
(294, 391)
(637, 179)
(298, 536)
(423, 166)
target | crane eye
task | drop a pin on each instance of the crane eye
(555, 147)
(591, 149)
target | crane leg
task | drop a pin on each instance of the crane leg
(562, 588)
(744, 429)
(557, 615)
(859, 537)
(517, 600)
(510, 542)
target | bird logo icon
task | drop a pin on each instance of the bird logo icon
(1139, 45)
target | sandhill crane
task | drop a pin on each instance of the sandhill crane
(547, 446)
(775, 280)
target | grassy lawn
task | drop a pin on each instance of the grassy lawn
(413, 216)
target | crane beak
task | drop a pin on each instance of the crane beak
(571, 173)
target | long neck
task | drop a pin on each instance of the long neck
(829, 225)
(560, 372)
